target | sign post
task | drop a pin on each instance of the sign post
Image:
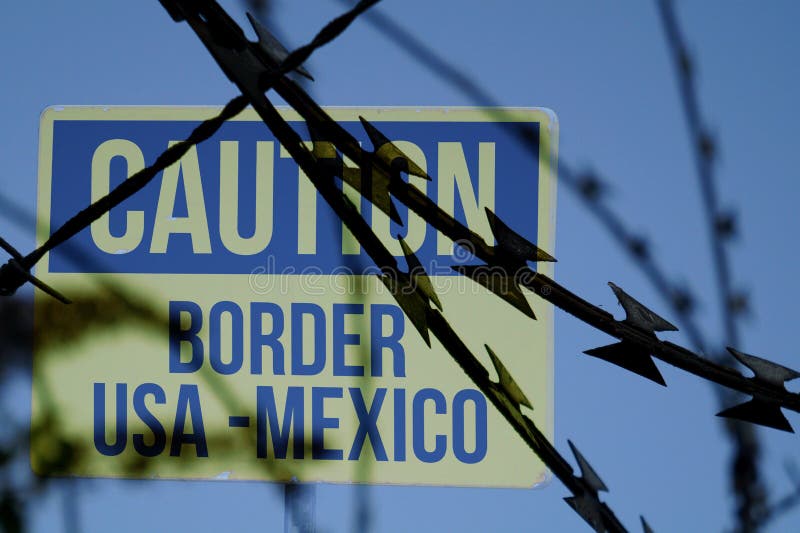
(226, 325)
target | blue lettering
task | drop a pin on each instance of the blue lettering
(367, 424)
(188, 396)
(479, 400)
(319, 423)
(152, 423)
(178, 335)
(399, 424)
(121, 430)
(267, 412)
(342, 339)
(392, 341)
(440, 408)
(259, 339)
(215, 338)
(299, 368)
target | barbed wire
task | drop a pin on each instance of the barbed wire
(111, 305)
(746, 481)
(510, 255)
(415, 300)
(300, 499)
(765, 386)
(591, 188)
(753, 407)
(584, 488)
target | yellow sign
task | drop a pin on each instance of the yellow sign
(226, 325)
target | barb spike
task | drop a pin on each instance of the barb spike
(765, 370)
(272, 46)
(513, 245)
(323, 148)
(761, 412)
(588, 473)
(173, 9)
(638, 315)
(325, 154)
(499, 282)
(645, 526)
(588, 507)
(390, 152)
(13, 275)
(590, 186)
(418, 275)
(630, 357)
(375, 188)
(414, 306)
(506, 382)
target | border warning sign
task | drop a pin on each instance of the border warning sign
(225, 323)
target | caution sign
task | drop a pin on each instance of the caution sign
(226, 325)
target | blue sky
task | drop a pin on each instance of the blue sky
(605, 70)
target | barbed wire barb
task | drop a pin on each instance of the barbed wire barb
(512, 247)
(669, 352)
(732, 304)
(256, 67)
